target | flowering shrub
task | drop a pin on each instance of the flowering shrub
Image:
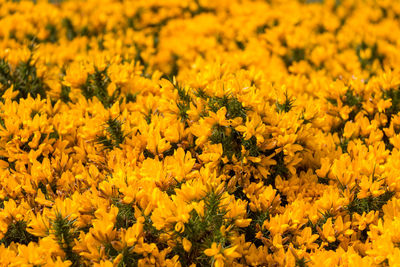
(199, 133)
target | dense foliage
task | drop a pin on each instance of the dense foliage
(199, 133)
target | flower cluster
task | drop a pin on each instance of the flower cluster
(199, 133)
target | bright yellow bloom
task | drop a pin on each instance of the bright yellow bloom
(133, 233)
(214, 250)
(138, 131)
(328, 232)
(187, 245)
(218, 118)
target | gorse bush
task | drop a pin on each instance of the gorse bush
(199, 133)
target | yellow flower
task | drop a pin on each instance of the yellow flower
(253, 127)
(29, 255)
(76, 75)
(181, 164)
(350, 129)
(328, 232)
(231, 252)
(362, 221)
(40, 198)
(369, 187)
(106, 263)
(39, 225)
(58, 262)
(187, 245)
(307, 238)
(133, 233)
(218, 118)
(325, 166)
(343, 227)
(277, 241)
(384, 104)
(179, 227)
(214, 250)
(103, 227)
